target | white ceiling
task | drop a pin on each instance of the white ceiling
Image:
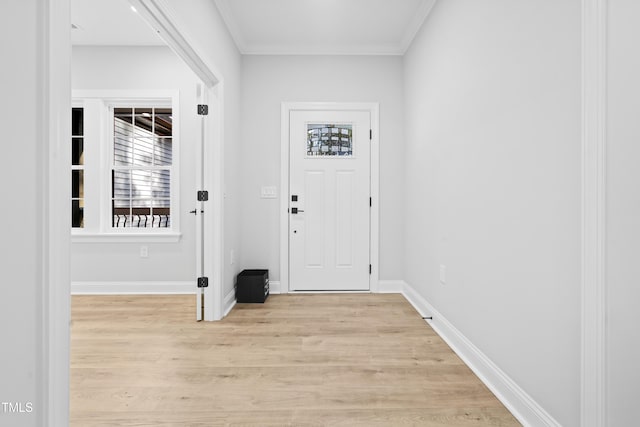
(324, 26)
(378, 27)
(109, 22)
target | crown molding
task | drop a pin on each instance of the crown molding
(232, 25)
(391, 49)
(416, 23)
(318, 50)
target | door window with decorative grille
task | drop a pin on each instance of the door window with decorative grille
(142, 167)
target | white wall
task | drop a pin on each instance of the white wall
(142, 68)
(270, 80)
(623, 213)
(492, 102)
(26, 259)
(21, 245)
(203, 26)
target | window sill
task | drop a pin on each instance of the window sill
(156, 237)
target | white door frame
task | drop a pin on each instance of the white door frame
(373, 108)
(214, 266)
(593, 366)
(52, 377)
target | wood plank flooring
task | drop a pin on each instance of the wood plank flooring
(297, 360)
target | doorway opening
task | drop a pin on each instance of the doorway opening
(138, 232)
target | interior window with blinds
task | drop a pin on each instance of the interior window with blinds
(141, 171)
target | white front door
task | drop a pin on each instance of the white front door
(329, 200)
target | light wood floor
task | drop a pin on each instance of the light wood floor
(299, 360)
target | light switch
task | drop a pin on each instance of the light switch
(269, 193)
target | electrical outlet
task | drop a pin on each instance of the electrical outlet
(144, 251)
(443, 274)
(232, 257)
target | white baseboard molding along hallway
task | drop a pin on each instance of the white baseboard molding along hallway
(133, 288)
(521, 405)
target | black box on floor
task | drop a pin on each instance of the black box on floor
(252, 286)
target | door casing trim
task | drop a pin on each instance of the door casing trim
(373, 108)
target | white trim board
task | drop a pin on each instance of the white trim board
(516, 400)
(275, 287)
(229, 302)
(230, 299)
(593, 398)
(133, 288)
(54, 120)
(391, 286)
(374, 109)
(214, 264)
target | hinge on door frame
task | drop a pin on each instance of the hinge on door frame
(369, 269)
(203, 196)
(371, 134)
(370, 202)
(203, 110)
(203, 282)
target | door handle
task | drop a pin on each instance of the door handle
(295, 211)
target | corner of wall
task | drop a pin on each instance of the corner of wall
(514, 398)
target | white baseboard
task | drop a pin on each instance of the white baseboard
(229, 302)
(390, 286)
(132, 288)
(521, 405)
(230, 298)
(384, 287)
(274, 287)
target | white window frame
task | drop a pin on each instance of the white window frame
(99, 161)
